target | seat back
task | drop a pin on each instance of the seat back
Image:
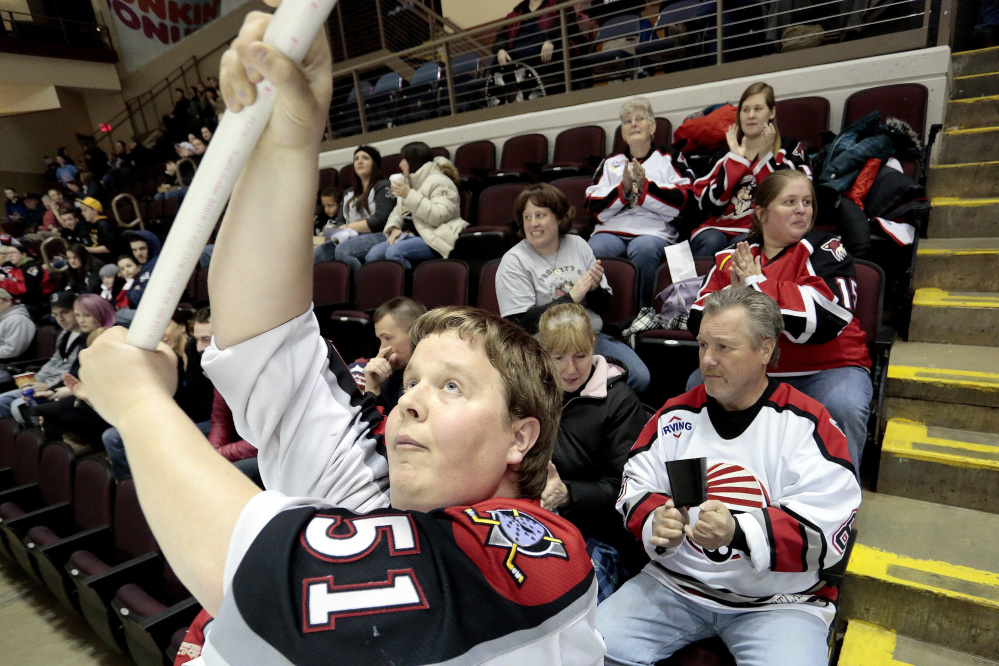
(27, 449)
(201, 286)
(496, 205)
(328, 178)
(55, 472)
(377, 282)
(464, 65)
(330, 283)
(427, 73)
(387, 83)
(905, 101)
(441, 282)
(622, 276)
(574, 189)
(8, 431)
(347, 176)
(870, 299)
(390, 164)
(616, 27)
(93, 492)
(45, 341)
(476, 159)
(804, 118)
(441, 151)
(465, 197)
(527, 151)
(663, 136)
(132, 536)
(487, 288)
(585, 145)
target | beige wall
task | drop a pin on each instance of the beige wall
(15, 6)
(468, 13)
(30, 136)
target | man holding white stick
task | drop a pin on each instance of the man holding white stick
(460, 565)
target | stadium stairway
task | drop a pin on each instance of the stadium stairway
(922, 586)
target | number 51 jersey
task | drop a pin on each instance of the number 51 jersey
(499, 582)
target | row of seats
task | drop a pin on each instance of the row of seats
(70, 526)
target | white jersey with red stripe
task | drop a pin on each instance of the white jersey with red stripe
(666, 191)
(781, 467)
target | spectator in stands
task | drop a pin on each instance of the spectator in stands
(177, 121)
(113, 286)
(15, 209)
(95, 160)
(83, 274)
(128, 271)
(53, 203)
(170, 185)
(602, 10)
(71, 230)
(365, 210)
(49, 224)
(33, 212)
(551, 266)
(217, 103)
(68, 344)
(426, 220)
(745, 564)
(138, 154)
(17, 330)
(49, 176)
(986, 31)
(382, 375)
(637, 195)
(199, 149)
(812, 277)
(90, 186)
(601, 419)
(536, 42)
(96, 230)
(66, 171)
(145, 248)
(329, 199)
(25, 279)
(755, 150)
(206, 134)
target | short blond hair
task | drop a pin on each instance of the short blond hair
(566, 327)
(530, 378)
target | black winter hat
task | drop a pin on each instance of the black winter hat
(372, 153)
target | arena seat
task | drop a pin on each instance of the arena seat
(390, 164)
(347, 176)
(328, 178)
(349, 118)
(466, 198)
(905, 101)
(351, 331)
(8, 431)
(622, 276)
(50, 542)
(522, 159)
(662, 136)
(23, 468)
(330, 286)
(441, 282)
(804, 119)
(381, 104)
(23, 506)
(574, 189)
(98, 574)
(578, 151)
(151, 613)
(474, 161)
(201, 287)
(868, 310)
(469, 84)
(613, 62)
(420, 98)
(495, 207)
(441, 151)
(486, 298)
(688, 15)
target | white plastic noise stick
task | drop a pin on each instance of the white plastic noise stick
(292, 30)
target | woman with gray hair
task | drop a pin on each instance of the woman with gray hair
(636, 195)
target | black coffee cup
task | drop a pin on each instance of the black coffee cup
(688, 481)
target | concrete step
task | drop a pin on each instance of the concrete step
(951, 217)
(976, 85)
(927, 571)
(976, 418)
(934, 312)
(958, 264)
(957, 374)
(976, 144)
(944, 465)
(979, 61)
(972, 180)
(973, 112)
(866, 644)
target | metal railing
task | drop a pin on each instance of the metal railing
(54, 31)
(691, 36)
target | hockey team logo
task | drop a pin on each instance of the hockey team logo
(520, 534)
(835, 247)
(676, 426)
(799, 151)
(739, 490)
(842, 537)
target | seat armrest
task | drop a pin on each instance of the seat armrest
(96, 539)
(140, 570)
(7, 479)
(26, 494)
(179, 615)
(59, 514)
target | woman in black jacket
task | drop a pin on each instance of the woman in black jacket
(601, 419)
(83, 272)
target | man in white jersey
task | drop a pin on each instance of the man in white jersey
(782, 496)
(460, 564)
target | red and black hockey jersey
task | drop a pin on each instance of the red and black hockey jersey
(727, 193)
(815, 283)
(667, 189)
(781, 467)
(499, 581)
(28, 283)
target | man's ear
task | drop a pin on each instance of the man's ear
(525, 434)
(767, 348)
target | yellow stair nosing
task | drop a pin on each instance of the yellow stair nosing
(981, 50)
(959, 201)
(956, 378)
(867, 644)
(956, 252)
(974, 76)
(900, 434)
(931, 297)
(970, 130)
(964, 164)
(972, 100)
(869, 562)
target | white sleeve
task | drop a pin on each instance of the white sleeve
(515, 291)
(295, 400)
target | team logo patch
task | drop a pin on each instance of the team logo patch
(520, 534)
(676, 426)
(799, 151)
(32, 271)
(842, 537)
(835, 247)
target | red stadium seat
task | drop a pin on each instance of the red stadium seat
(578, 151)
(441, 282)
(347, 176)
(441, 151)
(522, 159)
(328, 178)
(474, 161)
(466, 198)
(151, 613)
(496, 205)
(390, 164)
(804, 119)
(330, 284)
(8, 431)
(23, 455)
(487, 288)
(574, 190)
(622, 276)
(905, 101)
(351, 331)
(662, 137)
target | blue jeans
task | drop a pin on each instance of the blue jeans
(706, 243)
(6, 399)
(116, 450)
(407, 252)
(350, 252)
(845, 392)
(206, 256)
(644, 622)
(644, 251)
(638, 373)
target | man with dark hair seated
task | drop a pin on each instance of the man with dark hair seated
(382, 375)
(745, 564)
